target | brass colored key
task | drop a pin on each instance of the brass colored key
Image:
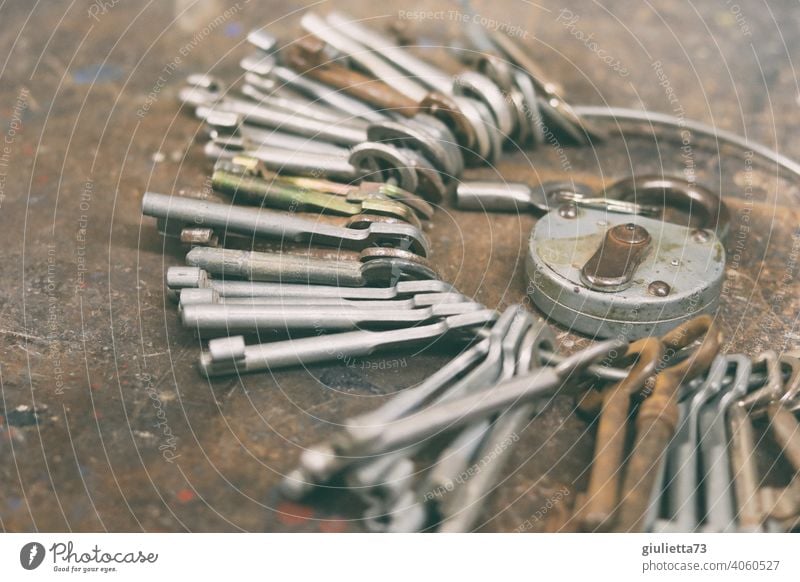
(603, 493)
(278, 194)
(657, 418)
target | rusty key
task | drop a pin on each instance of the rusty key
(603, 493)
(658, 417)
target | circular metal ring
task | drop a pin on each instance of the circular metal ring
(432, 184)
(381, 162)
(446, 109)
(414, 137)
(472, 83)
(533, 117)
(482, 148)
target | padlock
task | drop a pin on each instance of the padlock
(605, 274)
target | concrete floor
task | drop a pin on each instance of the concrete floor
(104, 422)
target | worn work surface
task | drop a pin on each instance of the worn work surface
(105, 424)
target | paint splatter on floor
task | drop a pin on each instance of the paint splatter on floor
(97, 73)
(185, 495)
(290, 513)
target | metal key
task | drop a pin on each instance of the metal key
(286, 160)
(467, 409)
(456, 455)
(720, 503)
(351, 192)
(683, 456)
(226, 319)
(333, 35)
(231, 356)
(657, 418)
(277, 194)
(177, 211)
(230, 125)
(377, 266)
(602, 495)
(388, 62)
(265, 65)
(206, 296)
(338, 131)
(504, 341)
(179, 278)
(357, 437)
(300, 481)
(207, 92)
(467, 503)
(517, 196)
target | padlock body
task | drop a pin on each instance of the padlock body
(691, 263)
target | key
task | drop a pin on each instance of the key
(208, 296)
(277, 194)
(340, 131)
(226, 319)
(657, 418)
(300, 481)
(467, 503)
(256, 222)
(230, 356)
(452, 461)
(387, 63)
(377, 266)
(366, 59)
(750, 513)
(683, 456)
(266, 66)
(359, 434)
(204, 91)
(753, 513)
(179, 278)
(602, 495)
(720, 503)
(519, 197)
(227, 125)
(352, 192)
(772, 388)
(456, 456)
(285, 160)
(467, 409)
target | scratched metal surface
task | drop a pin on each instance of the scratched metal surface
(104, 423)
